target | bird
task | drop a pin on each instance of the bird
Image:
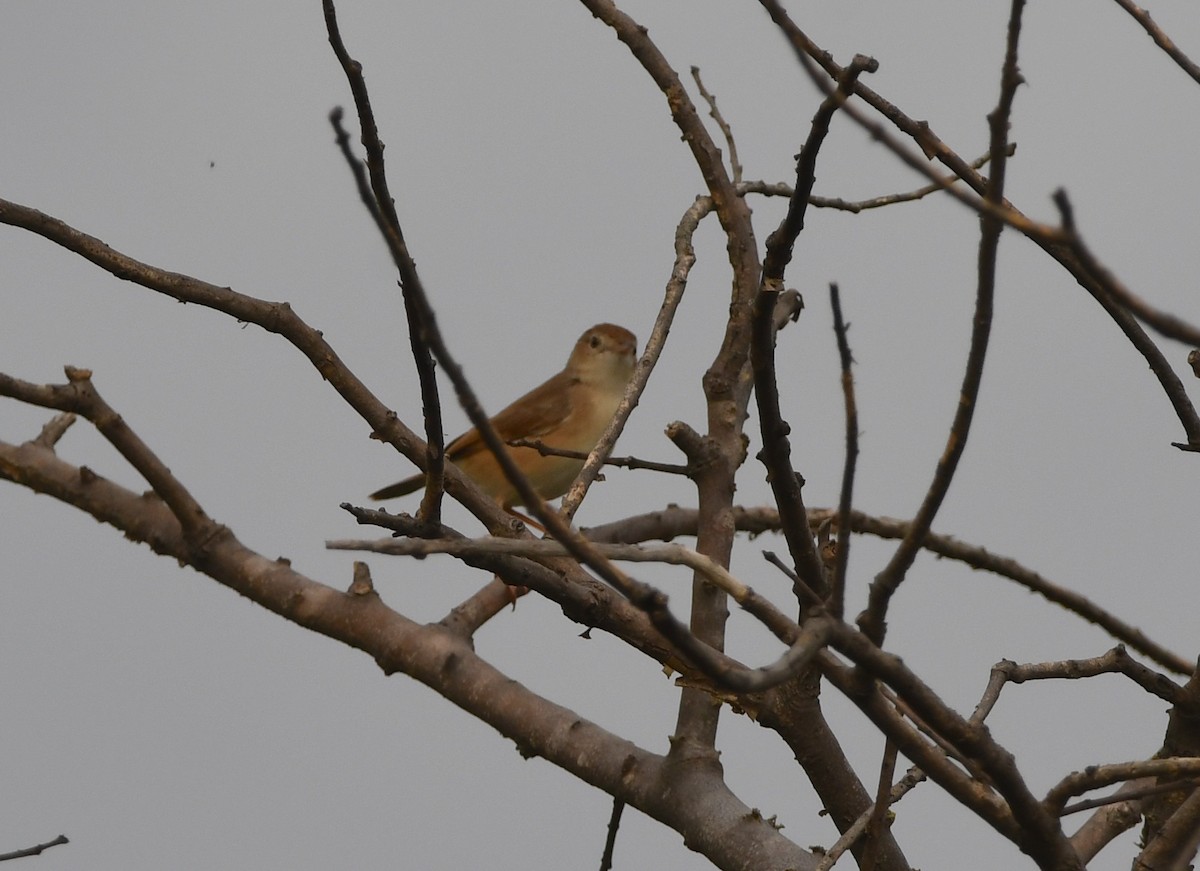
(570, 412)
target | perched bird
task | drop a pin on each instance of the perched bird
(569, 412)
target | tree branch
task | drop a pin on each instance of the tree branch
(1142, 17)
(726, 386)
(1121, 305)
(1050, 239)
(1100, 776)
(776, 451)
(1115, 661)
(845, 498)
(874, 621)
(35, 850)
(720, 826)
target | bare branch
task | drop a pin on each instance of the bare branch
(980, 558)
(469, 615)
(971, 793)
(1165, 323)
(1052, 240)
(1142, 17)
(1120, 813)
(804, 642)
(735, 167)
(878, 822)
(1099, 776)
(1175, 844)
(806, 597)
(852, 835)
(669, 554)
(874, 621)
(34, 851)
(845, 498)
(382, 209)
(1041, 832)
(610, 841)
(785, 482)
(1119, 302)
(55, 429)
(582, 598)
(856, 206)
(430, 654)
(1142, 787)
(1115, 661)
(621, 462)
(685, 258)
(275, 318)
(80, 396)
(676, 521)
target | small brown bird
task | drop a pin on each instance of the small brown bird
(569, 412)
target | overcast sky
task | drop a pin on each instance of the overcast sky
(160, 721)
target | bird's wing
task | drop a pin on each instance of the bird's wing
(535, 414)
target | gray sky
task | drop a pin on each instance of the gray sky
(160, 721)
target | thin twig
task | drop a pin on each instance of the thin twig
(1039, 828)
(1142, 17)
(1115, 661)
(856, 206)
(1137, 792)
(1119, 302)
(874, 620)
(1119, 815)
(781, 189)
(1099, 776)
(851, 836)
(80, 396)
(919, 131)
(837, 592)
(807, 598)
(55, 429)
(34, 851)
(735, 167)
(1052, 240)
(621, 462)
(776, 451)
(383, 211)
(675, 521)
(878, 822)
(610, 840)
(685, 258)
(967, 790)
(1164, 323)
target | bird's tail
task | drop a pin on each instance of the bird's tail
(400, 488)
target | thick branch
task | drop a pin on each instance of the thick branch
(718, 825)
(726, 383)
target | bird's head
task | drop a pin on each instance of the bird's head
(605, 354)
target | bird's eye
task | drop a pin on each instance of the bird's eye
(595, 341)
